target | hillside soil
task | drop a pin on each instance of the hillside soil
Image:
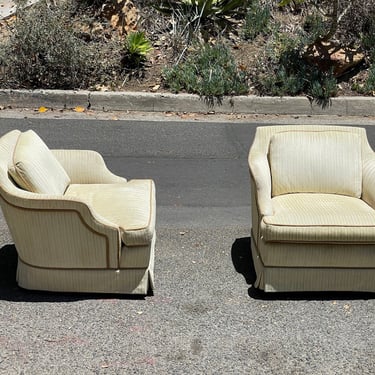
(116, 18)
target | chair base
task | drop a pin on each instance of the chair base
(118, 281)
(298, 279)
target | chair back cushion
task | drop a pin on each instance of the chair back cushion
(326, 161)
(35, 168)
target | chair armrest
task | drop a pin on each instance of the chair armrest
(86, 167)
(261, 175)
(57, 231)
(368, 180)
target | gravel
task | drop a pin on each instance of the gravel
(204, 318)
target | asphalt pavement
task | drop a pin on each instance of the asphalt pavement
(205, 316)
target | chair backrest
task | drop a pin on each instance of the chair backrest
(26, 160)
(7, 145)
(314, 159)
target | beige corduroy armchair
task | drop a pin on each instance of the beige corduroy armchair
(313, 209)
(76, 226)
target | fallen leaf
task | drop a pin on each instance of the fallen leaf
(155, 88)
(79, 109)
(42, 109)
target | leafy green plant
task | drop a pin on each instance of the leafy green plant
(321, 86)
(283, 3)
(368, 37)
(209, 71)
(369, 87)
(48, 49)
(137, 47)
(44, 52)
(256, 20)
(285, 71)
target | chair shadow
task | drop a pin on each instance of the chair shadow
(243, 260)
(243, 263)
(10, 291)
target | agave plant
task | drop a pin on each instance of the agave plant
(138, 44)
(205, 8)
(204, 14)
(137, 47)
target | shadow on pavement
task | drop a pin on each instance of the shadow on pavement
(243, 264)
(10, 291)
(308, 296)
(243, 260)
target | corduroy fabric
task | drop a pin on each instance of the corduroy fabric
(368, 183)
(316, 162)
(312, 241)
(126, 281)
(313, 279)
(53, 232)
(319, 218)
(63, 244)
(316, 254)
(35, 168)
(130, 206)
(86, 167)
(136, 256)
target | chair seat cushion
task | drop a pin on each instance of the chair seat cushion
(319, 218)
(130, 206)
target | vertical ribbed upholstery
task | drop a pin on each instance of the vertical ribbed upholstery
(328, 162)
(62, 243)
(313, 225)
(35, 168)
(95, 172)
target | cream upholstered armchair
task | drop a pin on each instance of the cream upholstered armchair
(76, 226)
(313, 209)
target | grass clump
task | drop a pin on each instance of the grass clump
(256, 20)
(44, 52)
(209, 71)
(368, 45)
(51, 47)
(286, 68)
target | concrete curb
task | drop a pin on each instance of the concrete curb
(162, 102)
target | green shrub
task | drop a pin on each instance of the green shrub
(368, 37)
(315, 27)
(369, 86)
(137, 47)
(256, 20)
(44, 51)
(321, 85)
(285, 71)
(209, 71)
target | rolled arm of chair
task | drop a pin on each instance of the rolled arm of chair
(86, 167)
(53, 231)
(261, 175)
(368, 180)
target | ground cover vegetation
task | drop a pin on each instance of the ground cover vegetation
(317, 48)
